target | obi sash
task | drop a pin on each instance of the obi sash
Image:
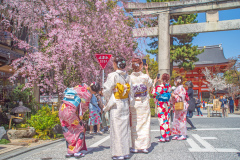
(140, 90)
(70, 95)
(164, 97)
(120, 94)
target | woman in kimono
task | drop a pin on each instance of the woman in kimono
(140, 113)
(70, 115)
(94, 109)
(162, 95)
(179, 126)
(118, 95)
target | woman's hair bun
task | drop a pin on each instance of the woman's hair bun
(136, 62)
(95, 87)
(120, 61)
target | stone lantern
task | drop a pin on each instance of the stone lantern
(20, 112)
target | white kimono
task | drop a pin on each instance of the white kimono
(140, 112)
(119, 113)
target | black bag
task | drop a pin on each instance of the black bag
(191, 107)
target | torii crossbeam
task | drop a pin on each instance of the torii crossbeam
(164, 9)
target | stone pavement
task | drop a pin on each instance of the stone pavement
(214, 139)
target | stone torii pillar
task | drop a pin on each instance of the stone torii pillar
(163, 43)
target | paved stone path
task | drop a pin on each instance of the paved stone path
(214, 139)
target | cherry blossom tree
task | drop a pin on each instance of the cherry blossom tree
(214, 82)
(68, 33)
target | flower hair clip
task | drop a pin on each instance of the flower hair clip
(136, 64)
(92, 84)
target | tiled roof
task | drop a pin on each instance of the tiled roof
(211, 55)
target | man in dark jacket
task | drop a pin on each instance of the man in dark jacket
(191, 102)
(231, 105)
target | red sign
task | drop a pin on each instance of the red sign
(103, 59)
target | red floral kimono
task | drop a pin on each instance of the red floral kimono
(163, 108)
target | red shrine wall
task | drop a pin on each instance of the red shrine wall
(198, 78)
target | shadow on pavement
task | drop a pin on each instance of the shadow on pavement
(97, 149)
(153, 145)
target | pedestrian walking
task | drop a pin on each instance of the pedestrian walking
(179, 128)
(163, 95)
(224, 105)
(119, 96)
(94, 109)
(198, 106)
(204, 105)
(140, 113)
(70, 115)
(231, 105)
(191, 102)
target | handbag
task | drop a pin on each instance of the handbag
(179, 106)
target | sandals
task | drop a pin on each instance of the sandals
(117, 157)
(181, 138)
(144, 151)
(133, 150)
(175, 137)
(91, 133)
(127, 157)
(79, 155)
(161, 140)
(99, 132)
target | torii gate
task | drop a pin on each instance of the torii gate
(164, 9)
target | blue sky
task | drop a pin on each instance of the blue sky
(230, 40)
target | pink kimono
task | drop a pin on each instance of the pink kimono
(72, 125)
(73, 128)
(179, 126)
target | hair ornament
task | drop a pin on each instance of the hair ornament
(136, 64)
(178, 80)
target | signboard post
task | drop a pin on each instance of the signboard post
(103, 59)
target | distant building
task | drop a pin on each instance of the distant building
(213, 58)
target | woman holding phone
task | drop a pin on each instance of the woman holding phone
(162, 95)
(140, 113)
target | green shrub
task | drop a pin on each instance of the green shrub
(86, 115)
(43, 122)
(152, 112)
(4, 141)
(152, 107)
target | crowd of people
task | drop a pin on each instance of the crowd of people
(122, 105)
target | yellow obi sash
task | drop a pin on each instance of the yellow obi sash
(119, 93)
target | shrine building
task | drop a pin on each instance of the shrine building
(213, 58)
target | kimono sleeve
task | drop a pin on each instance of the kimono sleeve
(149, 83)
(100, 103)
(109, 85)
(131, 94)
(180, 94)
